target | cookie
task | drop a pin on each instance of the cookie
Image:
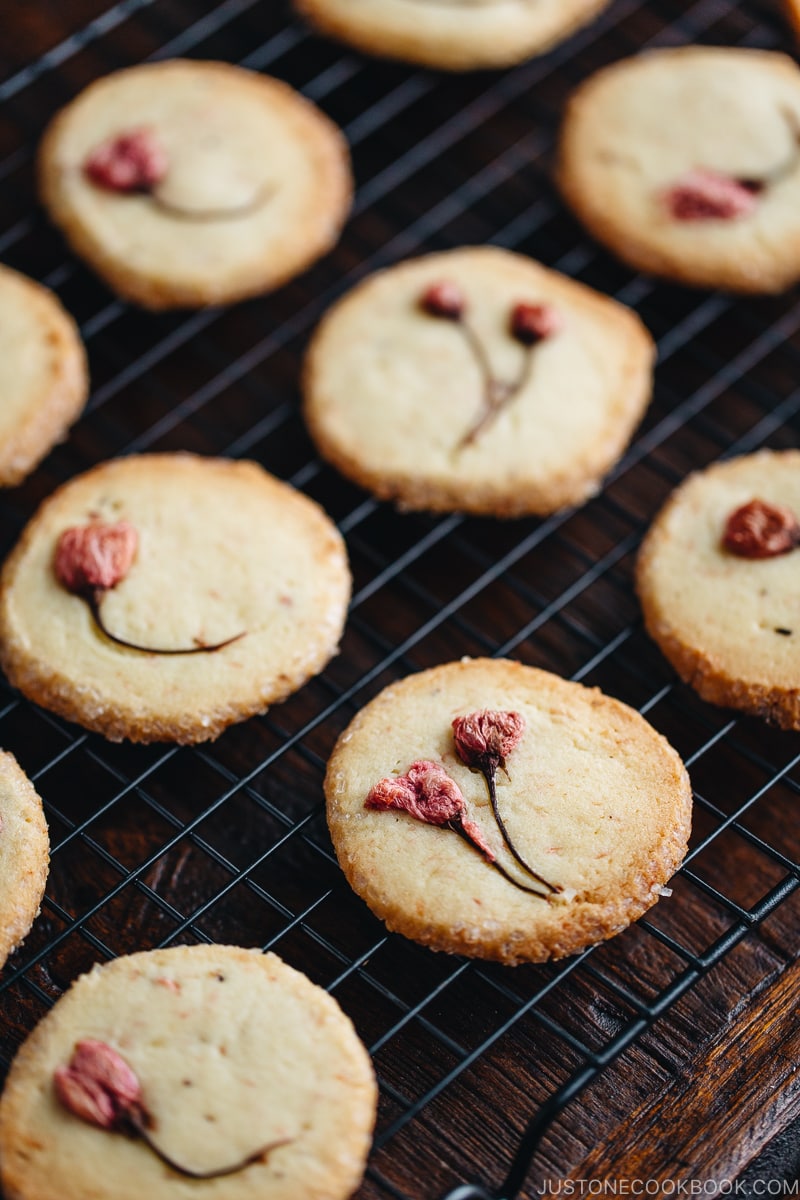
(455, 35)
(476, 381)
(163, 597)
(686, 164)
(719, 581)
(226, 1062)
(43, 374)
(187, 184)
(24, 854)
(491, 809)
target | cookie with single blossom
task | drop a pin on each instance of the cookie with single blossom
(478, 381)
(190, 183)
(24, 854)
(685, 163)
(719, 579)
(166, 596)
(455, 35)
(195, 1070)
(44, 380)
(494, 810)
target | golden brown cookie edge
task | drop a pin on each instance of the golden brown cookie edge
(448, 54)
(32, 875)
(61, 402)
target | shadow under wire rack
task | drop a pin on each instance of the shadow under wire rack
(227, 842)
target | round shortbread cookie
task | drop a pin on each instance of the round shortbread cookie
(394, 393)
(729, 625)
(686, 163)
(456, 35)
(224, 552)
(43, 374)
(239, 185)
(594, 800)
(24, 854)
(233, 1051)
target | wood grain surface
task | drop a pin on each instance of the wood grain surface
(729, 1101)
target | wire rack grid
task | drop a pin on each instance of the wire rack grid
(227, 842)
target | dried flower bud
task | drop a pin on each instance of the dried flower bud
(761, 530)
(703, 195)
(133, 161)
(531, 323)
(487, 737)
(95, 556)
(444, 299)
(426, 792)
(97, 1085)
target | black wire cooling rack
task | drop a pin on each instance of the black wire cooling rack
(227, 842)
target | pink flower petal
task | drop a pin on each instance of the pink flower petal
(703, 195)
(95, 555)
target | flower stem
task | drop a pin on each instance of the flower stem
(212, 214)
(458, 828)
(489, 773)
(787, 166)
(138, 1123)
(497, 394)
(94, 599)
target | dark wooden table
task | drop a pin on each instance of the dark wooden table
(683, 1029)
